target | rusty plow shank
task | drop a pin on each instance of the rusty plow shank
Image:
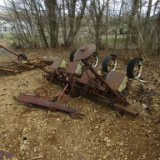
(50, 105)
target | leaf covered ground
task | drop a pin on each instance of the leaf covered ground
(34, 133)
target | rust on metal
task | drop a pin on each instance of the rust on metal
(77, 79)
(86, 77)
(22, 65)
(114, 79)
(91, 85)
(105, 83)
(62, 93)
(85, 51)
(125, 109)
(50, 105)
(71, 68)
(107, 102)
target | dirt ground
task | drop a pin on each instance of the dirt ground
(102, 134)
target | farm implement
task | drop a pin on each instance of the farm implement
(80, 77)
(18, 62)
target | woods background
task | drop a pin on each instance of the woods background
(111, 24)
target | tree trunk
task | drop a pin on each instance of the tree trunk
(52, 9)
(158, 31)
(96, 13)
(118, 24)
(71, 24)
(107, 23)
(147, 28)
(131, 27)
(40, 24)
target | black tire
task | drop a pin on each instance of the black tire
(105, 64)
(71, 58)
(22, 56)
(134, 68)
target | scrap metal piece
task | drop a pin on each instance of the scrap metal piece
(50, 105)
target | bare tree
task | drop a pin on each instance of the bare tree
(118, 23)
(71, 24)
(39, 21)
(47, 23)
(52, 10)
(96, 14)
(147, 27)
(107, 22)
(131, 26)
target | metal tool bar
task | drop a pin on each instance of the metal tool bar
(50, 105)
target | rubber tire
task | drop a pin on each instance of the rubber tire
(130, 68)
(105, 63)
(71, 58)
(22, 56)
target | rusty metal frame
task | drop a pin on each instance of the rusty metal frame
(26, 64)
(89, 84)
(50, 105)
(93, 86)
